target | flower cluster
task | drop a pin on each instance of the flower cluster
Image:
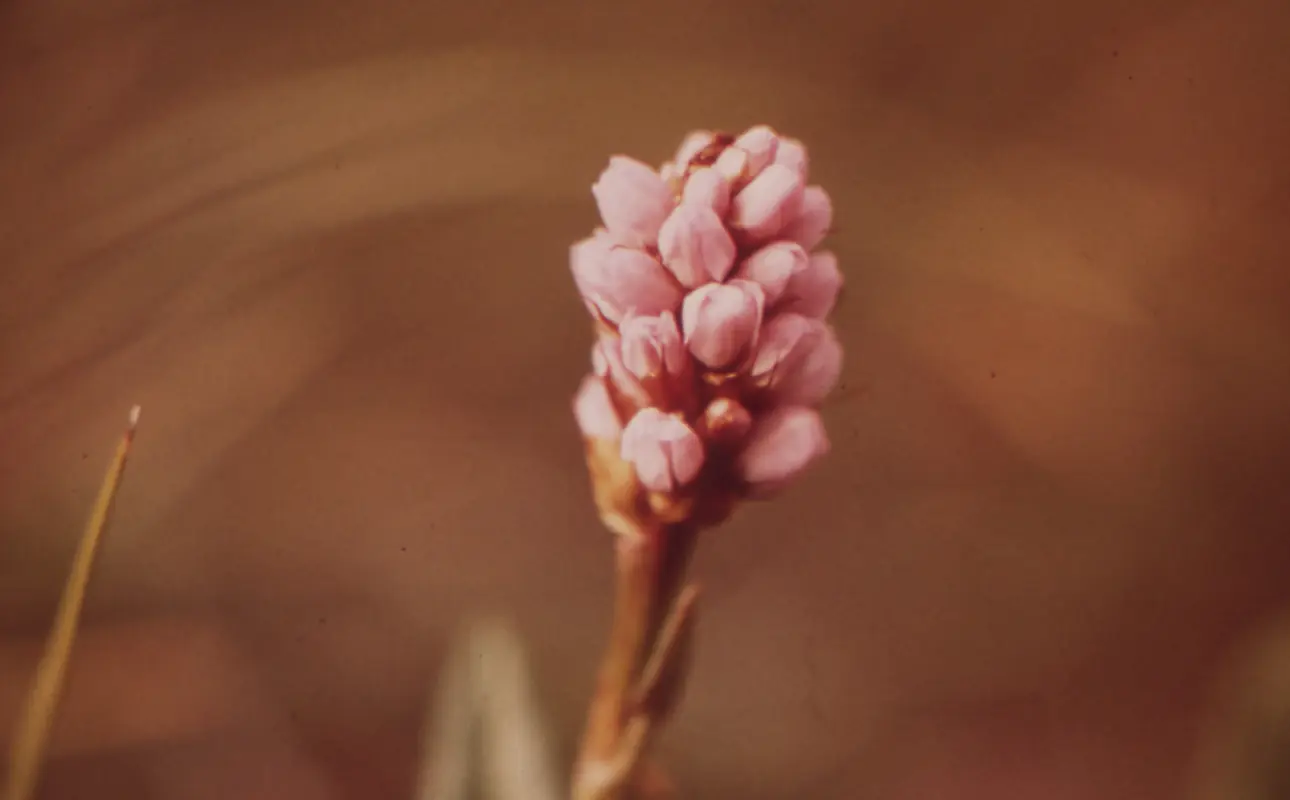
(713, 353)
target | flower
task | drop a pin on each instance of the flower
(813, 220)
(594, 411)
(781, 446)
(814, 289)
(616, 280)
(773, 266)
(732, 165)
(645, 362)
(633, 200)
(721, 321)
(799, 359)
(695, 246)
(768, 203)
(792, 154)
(652, 347)
(711, 307)
(707, 187)
(760, 144)
(607, 363)
(666, 452)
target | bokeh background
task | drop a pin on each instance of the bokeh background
(324, 245)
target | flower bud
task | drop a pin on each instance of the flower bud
(768, 203)
(721, 321)
(633, 200)
(792, 154)
(666, 453)
(772, 267)
(732, 165)
(760, 143)
(784, 343)
(798, 359)
(813, 290)
(607, 362)
(725, 421)
(781, 446)
(615, 280)
(707, 187)
(594, 410)
(695, 246)
(652, 347)
(813, 221)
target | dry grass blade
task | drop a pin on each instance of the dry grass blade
(487, 735)
(32, 735)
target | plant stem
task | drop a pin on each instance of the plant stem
(650, 572)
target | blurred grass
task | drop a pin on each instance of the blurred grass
(37, 719)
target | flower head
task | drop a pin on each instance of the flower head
(714, 352)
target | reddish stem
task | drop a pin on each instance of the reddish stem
(649, 575)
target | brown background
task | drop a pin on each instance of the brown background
(324, 245)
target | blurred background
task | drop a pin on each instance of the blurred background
(324, 244)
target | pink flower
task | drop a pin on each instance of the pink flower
(760, 143)
(666, 453)
(732, 164)
(792, 154)
(784, 343)
(633, 200)
(616, 280)
(594, 411)
(798, 359)
(813, 221)
(707, 187)
(768, 203)
(781, 446)
(713, 344)
(652, 346)
(813, 290)
(721, 321)
(607, 362)
(695, 246)
(772, 267)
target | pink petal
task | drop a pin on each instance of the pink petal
(633, 200)
(732, 164)
(768, 203)
(773, 266)
(785, 342)
(781, 446)
(607, 361)
(760, 143)
(813, 291)
(695, 246)
(594, 411)
(721, 321)
(813, 222)
(665, 451)
(616, 280)
(707, 187)
(587, 260)
(813, 372)
(652, 347)
(792, 154)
